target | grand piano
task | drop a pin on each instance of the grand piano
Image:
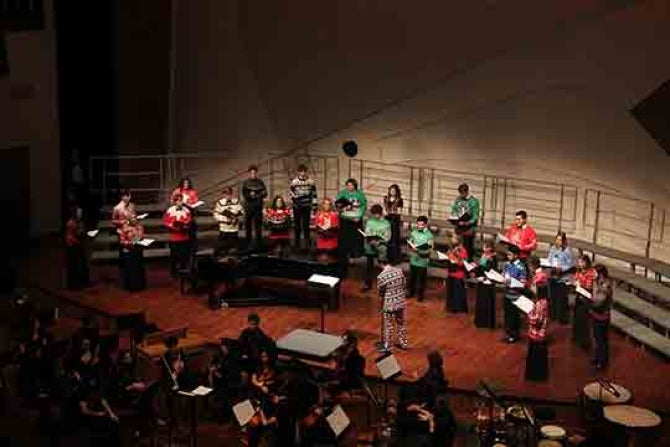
(260, 279)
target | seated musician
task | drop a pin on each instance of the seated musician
(278, 220)
(263, 426)
(227, 212)
(98, 418)
(175, 376)
(350, 365)
(252, 341)
(327, 224)
(224, 379)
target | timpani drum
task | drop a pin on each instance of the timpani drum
(638, 423)
(548, 443)
(553, 433)
(595, 397)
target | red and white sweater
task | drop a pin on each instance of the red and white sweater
(189, 196)
(177, 220)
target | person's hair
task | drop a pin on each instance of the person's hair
(124, 192)
(353, 182)
(435, 365)
(171, 341)
(186, 179)
(253, 318)
(522, 214)
(587, 260)
(602, 271)
(350, 337)
(227, 190)
(175, 197)
(302, 167)
(456, 236)
(463, 187)
(376, 209)
(397, 190)
(514, 250)
(274, 202)
(252, 168)
(423, 219)
(534, 261)
(327, 199)
(563, 237)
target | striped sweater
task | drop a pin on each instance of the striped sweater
(303, 193)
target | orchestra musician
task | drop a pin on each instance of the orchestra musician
(562, 265)
(253, 341)
(254, 193)
(304, 199)
(521, 234)
(393, 205)
(392, 291)
(264, 394)
(178, 219)
(76, 263)
(584, 278)
(456, 301)
(327, 224)
(420, 242)
(514, 268)
(224, 379)
(174, 376)
(485, 304)
(133, 275)
(600, 315)
(227, 212)
(352, 204)
(466, 205)
(278, 219)
(377, 235)
(537, 363)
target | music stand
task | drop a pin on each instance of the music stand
(389, 369)
(323, 282)
(192, 396)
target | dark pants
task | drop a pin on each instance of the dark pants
(558, 301)
(228, 241)
(512, 319)
(580, 324)
(537, 361)
(485, 306)
(253, 222)
(133, 273)
(469, 244)
(301, 219)
(457, 301)
(601, 339)
(180, 257)
(417, 281)
(349, 241)
(369, 270)
(394, 243)
(77, 274)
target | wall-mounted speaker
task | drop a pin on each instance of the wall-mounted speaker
(653, 113)
(350, 148)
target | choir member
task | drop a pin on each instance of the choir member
(466, 205)
(189, 200)
(537, 357)
(393, 205)
(600, 315)
(304, 199)
(561, 262)
(327, 224)
(254, 193)
(392, 291)
(133, 275)
(456, 301)
(516, 269)
(377, 235)
(124, 210)
(278, 219)
(178, 219)
(485, 304)
(584, 278)
(420, 243)
(522, 235)
(351, 203)
(227, 212)
(76, 264)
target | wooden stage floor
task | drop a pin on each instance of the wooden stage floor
(470, 354)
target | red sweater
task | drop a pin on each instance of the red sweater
(128, 234)
(537, 320)
(190, 196)
(279, 221)
(327, 240)
(177, 222)
(456, 268)
(524, 238)
(586, 277)
(72, 233)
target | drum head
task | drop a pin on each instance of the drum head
(548, 443)
(553, 432)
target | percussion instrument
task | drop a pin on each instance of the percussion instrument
(595, 395)
(637, 423)
(548, 443)
(553, 432)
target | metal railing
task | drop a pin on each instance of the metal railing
(610, 220)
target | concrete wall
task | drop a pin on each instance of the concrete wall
(533, 89)
(29, 117)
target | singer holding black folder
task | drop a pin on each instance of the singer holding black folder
(351, 203)
(465, 215)
(584, 278)
(600, 315)
(377, 236)
(420, 243)
(562, 267)
(485, 303)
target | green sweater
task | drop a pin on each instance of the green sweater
(360, 203)
(470, 205)
(420, 258)
(381, 228)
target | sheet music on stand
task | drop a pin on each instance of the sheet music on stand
(142, 216)
(145, 242)
(338, 421)
(583, 292)
(388, 367)
(524, 304)
(243, 412)
(92, 233)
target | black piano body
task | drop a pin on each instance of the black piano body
(260, 279)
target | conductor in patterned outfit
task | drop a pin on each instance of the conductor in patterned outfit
(392, 291)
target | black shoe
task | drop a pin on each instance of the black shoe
(401, 347)
(366, 287)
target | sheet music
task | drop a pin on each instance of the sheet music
(338, 420)
(524, 303)
(516, 284)
(441, 256)
(414, 246)
(243, 412)
(143, 216)
(146, 242)
(583, 292)
(197, 204)
(201, 391)
(92, 233)
(362, 232)
(544, 262)
(495, 276)
(388, 367)
(502, 238)
(469, 266)
(185, 393)
(330, 281)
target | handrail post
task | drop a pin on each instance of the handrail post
(411, 189)
(360, 174)
(482, 208)
(504, 203)
(597, 218)
(560, 210)
(431, 193)
(649, 231)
